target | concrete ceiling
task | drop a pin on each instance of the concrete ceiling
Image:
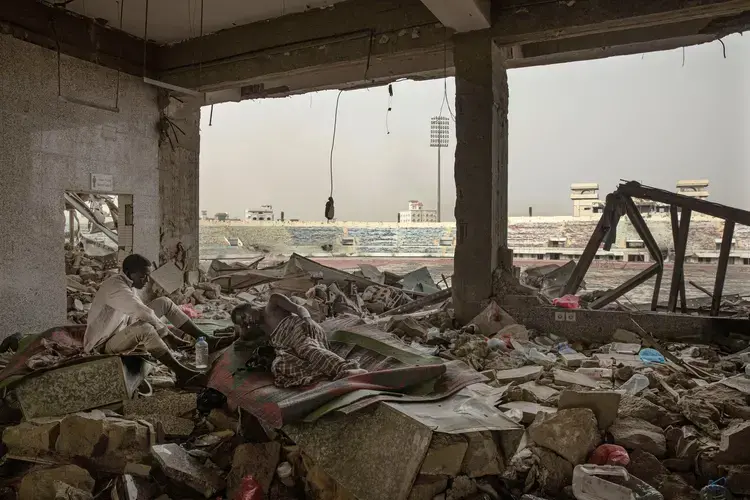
(172, 21)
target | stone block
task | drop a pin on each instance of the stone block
(426, 487)
(258, 460)
(523, 374)
(176, 404)
(553, 472)
(168, 426)
(564, 377)
(129, 487)
(76, 388)
(573, 360)
(462, 487)
(613, 359)
(183, 469)
(374, 455)
(32, 437)
(529, 410)
(111, 442)
(540, 392)
(482, 457)
(733, 447)
(638, 407)
(572, 434)
(637, 434)
(445, 455)
(44, 484)
(604, 404)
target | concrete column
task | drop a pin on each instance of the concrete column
(179, 149)
(481, 170)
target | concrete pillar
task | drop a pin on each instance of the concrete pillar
(179, 149)
(481, 170)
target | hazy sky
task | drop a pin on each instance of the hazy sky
(645, 117)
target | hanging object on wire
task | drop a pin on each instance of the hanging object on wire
(390, 107)
(329, 213)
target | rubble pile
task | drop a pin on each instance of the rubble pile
(635, 417)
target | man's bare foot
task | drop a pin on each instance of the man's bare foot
(216, 343)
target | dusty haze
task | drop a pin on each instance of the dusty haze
(647, 117)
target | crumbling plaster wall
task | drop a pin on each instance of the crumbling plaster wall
(48, 146)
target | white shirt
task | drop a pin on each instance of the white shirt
(115, 306)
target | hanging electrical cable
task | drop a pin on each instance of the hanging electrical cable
(330, 212)
(445, 101)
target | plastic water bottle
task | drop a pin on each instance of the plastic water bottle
(201, 354)
(716, 490)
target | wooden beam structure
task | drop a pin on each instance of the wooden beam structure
(675, 218)
(721, 271)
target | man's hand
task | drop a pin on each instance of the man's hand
(175, 343)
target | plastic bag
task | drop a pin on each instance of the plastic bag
(189, 311)
(567, 302)
(250, 489)
(651, 356)
(610, 454)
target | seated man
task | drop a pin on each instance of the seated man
(301, 349)
(119, 321)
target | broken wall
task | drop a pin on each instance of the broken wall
(48, 146)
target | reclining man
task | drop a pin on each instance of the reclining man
(302, 354)
(119, 321)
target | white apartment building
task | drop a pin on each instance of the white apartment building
(417, 213)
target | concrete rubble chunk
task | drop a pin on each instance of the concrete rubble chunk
(112, 442)
(45, 484)
(604, 404)
(168, 411)
(637, 434)
(462, 487)
(564, 377)
(529, 410)
(426, 487)
(32, 437)
(129, 487)
(738, 479)
(181, 468)
(573, 359)
(646, 467)
(445, 455)
(614, 358)
(572, 434)
(626, 336)
(553, 472)
(492, 319)
(406, 326)
(523, 374)
(517, 332)
(540, 392)
(258, 460)
(482, 456)
(222, 420)
(734, 448)
(638, 407)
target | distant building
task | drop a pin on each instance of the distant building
(265, 212)
(417, 213)
(585, 198)
(693, 188)
(222, 216)
(204, 214)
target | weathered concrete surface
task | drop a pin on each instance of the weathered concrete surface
(637, 434)
(481, 169)
(178, 179)
(604, 404)
(43, 484)
(50, 146)
(572, 434)
(375, 455)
